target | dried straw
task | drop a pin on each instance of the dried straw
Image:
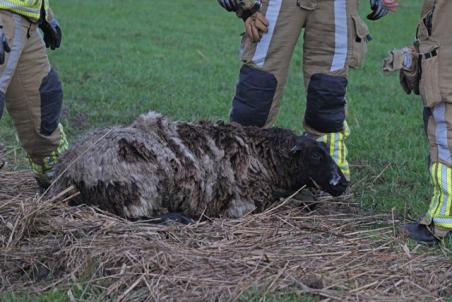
(335, 252)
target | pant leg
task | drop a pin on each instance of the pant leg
(334, 39)
(439, 119)
(264, 73)
(34, 99)
(16, 37)
(439, 131)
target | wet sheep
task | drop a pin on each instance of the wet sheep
(155, 166)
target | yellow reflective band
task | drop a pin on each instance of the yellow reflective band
(447, 202)
(28, 8)
(440, 208)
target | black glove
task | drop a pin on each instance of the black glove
(4, 47)
(229, 5)
(378, 10)
(52, 33)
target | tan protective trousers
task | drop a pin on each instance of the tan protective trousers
(31, 90)
(436, 91)
(335, 38)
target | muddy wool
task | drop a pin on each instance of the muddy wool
(156, 166)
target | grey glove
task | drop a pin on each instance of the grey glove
(378, 10)
(4, 47)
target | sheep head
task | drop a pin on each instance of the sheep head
(318, 166)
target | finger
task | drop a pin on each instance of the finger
(248, 30)
(256, 35)
(261, 26)
(261, 18)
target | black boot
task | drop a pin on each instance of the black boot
(419, 232)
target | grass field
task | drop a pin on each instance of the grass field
(122, 58)
(181, 58)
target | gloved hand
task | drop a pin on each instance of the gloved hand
(406, 62)
(243, 8)
(255, 26)
(52, 33)
(4, 47)
(229, 5)
(409, 74)
(381, 8)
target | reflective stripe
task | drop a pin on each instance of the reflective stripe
(443, 221)
(439, 114)
(13, 57)
(434, 174)
(20, 6)
(440, 207)
(27, 8)
(446, 188)
(341, 35)
(272, 14)
(337, 148)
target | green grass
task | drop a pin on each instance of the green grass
(181, 58)
(123, 58)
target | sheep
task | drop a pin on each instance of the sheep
(154, 167)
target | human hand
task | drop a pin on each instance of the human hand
(255, 26)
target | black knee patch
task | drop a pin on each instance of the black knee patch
(325, 108)
(51, 102)
(253, 98)
(2, 103)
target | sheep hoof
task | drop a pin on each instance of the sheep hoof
(176, 217)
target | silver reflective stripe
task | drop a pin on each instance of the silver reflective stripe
(19, 7)
(444, 188)
(436, 189)
(443, 220)
(13, 57)
(341, 35)
(336, 147)
(272, 14)
(439, 114)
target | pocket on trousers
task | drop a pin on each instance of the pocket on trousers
(307, 4)
(359, 33)
(429, 85)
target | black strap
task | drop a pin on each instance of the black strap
(429, 55)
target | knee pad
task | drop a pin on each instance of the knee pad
(51, 101)
(253, 98)
(2, 103)
(325, 108)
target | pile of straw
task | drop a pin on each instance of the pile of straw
(334, 252)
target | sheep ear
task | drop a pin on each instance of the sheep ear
(299, 142)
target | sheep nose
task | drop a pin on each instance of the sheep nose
(335, 180)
